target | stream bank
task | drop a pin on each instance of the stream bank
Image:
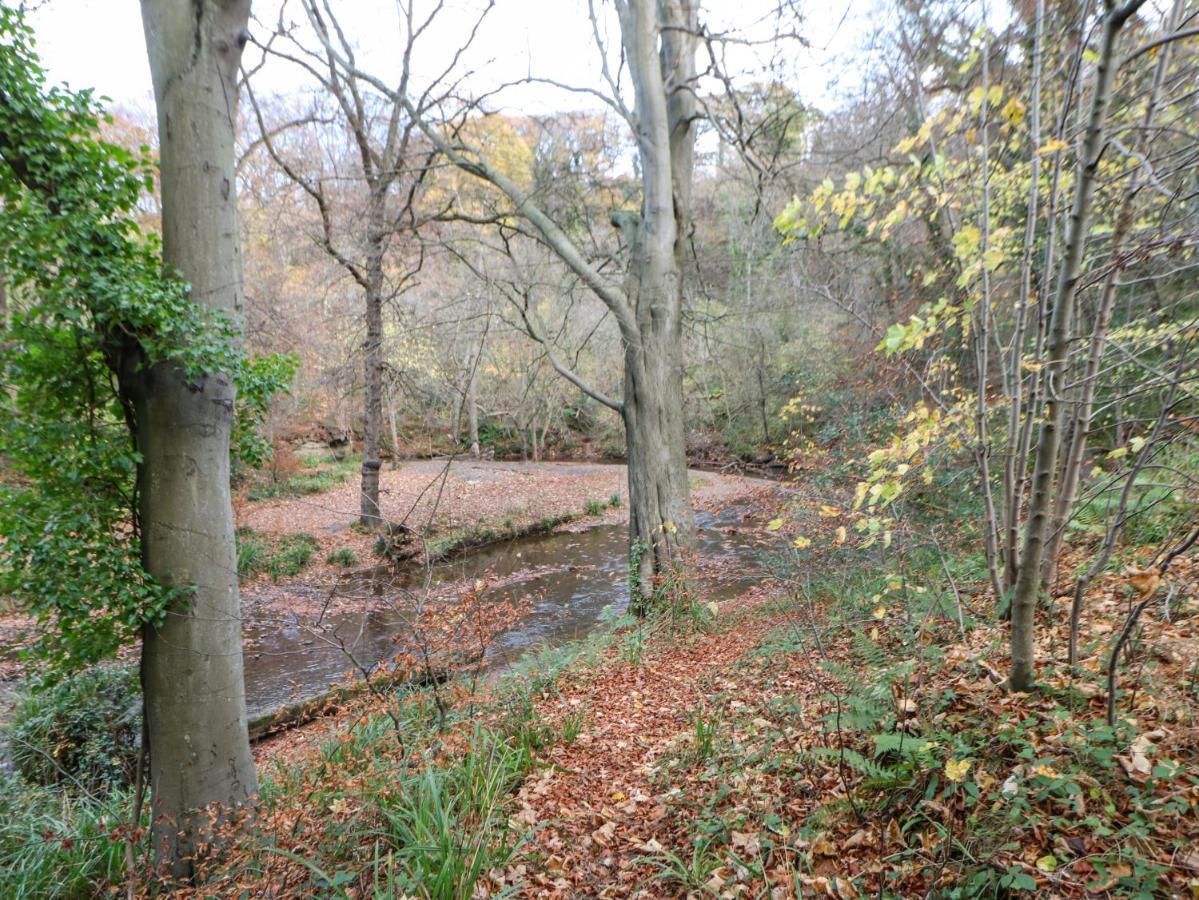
(302, 635)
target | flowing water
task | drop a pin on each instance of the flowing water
(565, 582)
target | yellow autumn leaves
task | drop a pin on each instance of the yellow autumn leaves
(956, 769)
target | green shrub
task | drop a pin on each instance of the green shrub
(291, 554)
(595, 507)
(56, 845)
(614, 501)
(284, 558)
(252, 551)
(82, 732)
(343, 557)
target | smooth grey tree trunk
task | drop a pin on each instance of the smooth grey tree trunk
(394, 430)
(1040, 509)
(192, 665)
(372, 365)
(472, 415)
(660, 43)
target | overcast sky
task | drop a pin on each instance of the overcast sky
(99, 43)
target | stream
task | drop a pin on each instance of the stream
(569, 581)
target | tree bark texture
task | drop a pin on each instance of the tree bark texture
(372, 365)
(192, 665)
(660, 43)
(660, 39)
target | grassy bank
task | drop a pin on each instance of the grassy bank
(404, 792)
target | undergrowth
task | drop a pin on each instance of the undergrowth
(906, 769)
(280, 557)
(411, 797)
(302, 475)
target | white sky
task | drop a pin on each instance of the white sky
(99, 43)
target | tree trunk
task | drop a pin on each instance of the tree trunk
(472, 416)
(372, 365)
(660, 43)
(1015, 456)
(660, 38)
(661, 519)
(395, 432)
(192, 665)
(1076, 449)
(1028, 581)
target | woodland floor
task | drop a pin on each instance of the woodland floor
(640, 804)
(744, 753)
(743, 756)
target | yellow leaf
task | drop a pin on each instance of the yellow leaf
(956, 769)
(880, 612)
(1053, 146)
(828, 512)
(1013, 111)
(840, 536)
(965, 242)
(774, 525)
(802, 542)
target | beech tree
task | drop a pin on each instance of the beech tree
(121, 386)
(192, 662)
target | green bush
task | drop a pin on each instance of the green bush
(595, 507)
(83, 732)
(292, 553)
(284, 558)
(343, 557)
(252, 551)
(56, 845)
